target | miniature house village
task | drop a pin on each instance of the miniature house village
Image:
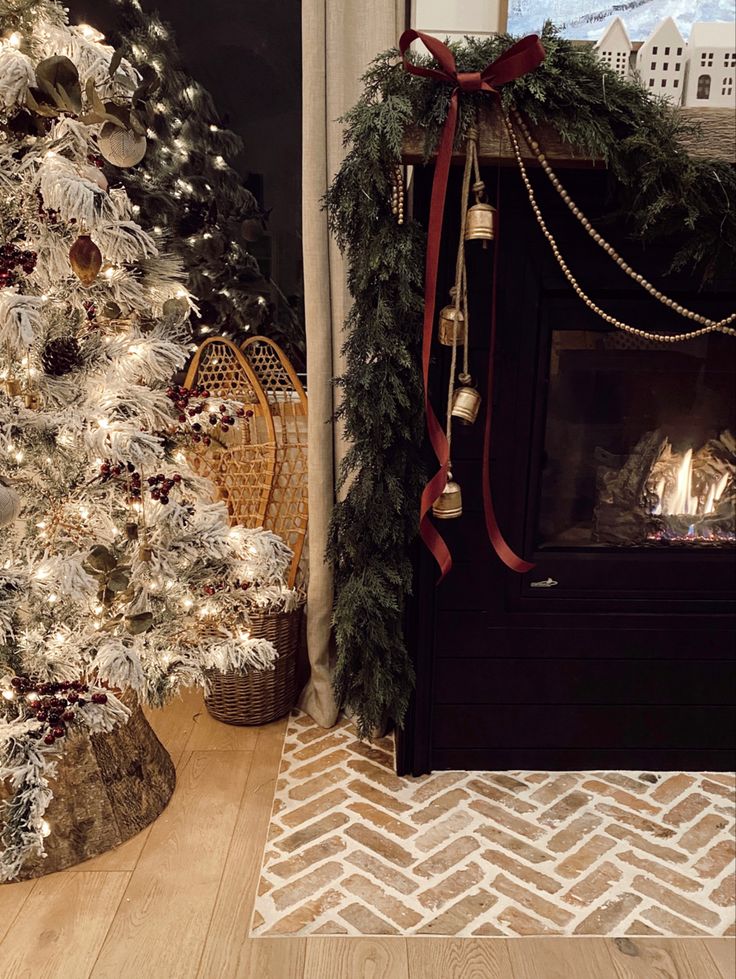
(698, 72)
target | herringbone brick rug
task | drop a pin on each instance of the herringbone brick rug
(355, 850)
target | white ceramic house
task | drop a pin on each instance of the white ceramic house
(712, 67)
(614, 48)
(661, 62)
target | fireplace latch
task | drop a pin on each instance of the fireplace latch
(546, 583)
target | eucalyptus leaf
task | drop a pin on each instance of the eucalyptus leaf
(101, 559)
(115, 61)
(59, 78)
(118, 580)
(136, 123)
(118, 115)
(111, 310)
(37, 103)
(176, 309)
(139, 623)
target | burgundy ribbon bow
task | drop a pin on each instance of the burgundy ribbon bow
(520, 58)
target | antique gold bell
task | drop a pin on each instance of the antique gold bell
(465, 404)
(480, 222)
(449, 504)
(452, 321)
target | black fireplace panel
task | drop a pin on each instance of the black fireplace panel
(613, 470)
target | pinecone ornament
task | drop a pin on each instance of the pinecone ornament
(60, 356)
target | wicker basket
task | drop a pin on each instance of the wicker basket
(248, 697)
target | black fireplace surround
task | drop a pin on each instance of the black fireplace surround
(614, 470)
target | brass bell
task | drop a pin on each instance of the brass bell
(449, 504)
(452, 320)
(480, 222)
(465, 404)
(11, 386)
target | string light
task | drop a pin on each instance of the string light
(45, 828)
(15, 40)
(90, 34)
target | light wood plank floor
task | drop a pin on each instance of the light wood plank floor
(175, 902)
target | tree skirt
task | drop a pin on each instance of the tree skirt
(108, 787)
(355, 850)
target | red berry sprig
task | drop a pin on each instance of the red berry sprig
(216, 586)
(13, 259)
(55, 705)
(160, 485)
(189, 402)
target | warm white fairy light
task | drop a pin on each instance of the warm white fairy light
(98, 413)
(8, 695)
(90, 34)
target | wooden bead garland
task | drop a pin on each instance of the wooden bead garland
(710, 326)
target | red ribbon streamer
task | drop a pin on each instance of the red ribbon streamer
(520, 58)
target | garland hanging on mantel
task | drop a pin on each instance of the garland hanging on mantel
(660, 191)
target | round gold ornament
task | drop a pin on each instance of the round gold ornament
(449, 504)
(121, 147)
(465, 404)
(9, 504)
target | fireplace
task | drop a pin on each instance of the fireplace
(613, 467)
(639, 448)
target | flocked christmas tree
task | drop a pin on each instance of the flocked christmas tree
(117, 571)
(188, 186)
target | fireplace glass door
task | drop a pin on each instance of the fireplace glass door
(639, 443)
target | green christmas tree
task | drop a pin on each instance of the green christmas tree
(187, 186)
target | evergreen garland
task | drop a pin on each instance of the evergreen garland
(659, 190)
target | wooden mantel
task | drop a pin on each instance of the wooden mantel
(716, 140)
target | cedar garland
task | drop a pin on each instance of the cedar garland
(658, 191)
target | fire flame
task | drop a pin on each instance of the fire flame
(679, 496)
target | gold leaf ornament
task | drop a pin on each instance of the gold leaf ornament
(85, 259)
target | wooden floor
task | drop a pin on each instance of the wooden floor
(175, 902)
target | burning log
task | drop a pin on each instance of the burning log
(663, 495)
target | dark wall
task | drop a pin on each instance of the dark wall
(248, 54)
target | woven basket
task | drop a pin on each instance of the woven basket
(248, 697)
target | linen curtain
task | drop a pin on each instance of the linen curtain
(339, 39)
